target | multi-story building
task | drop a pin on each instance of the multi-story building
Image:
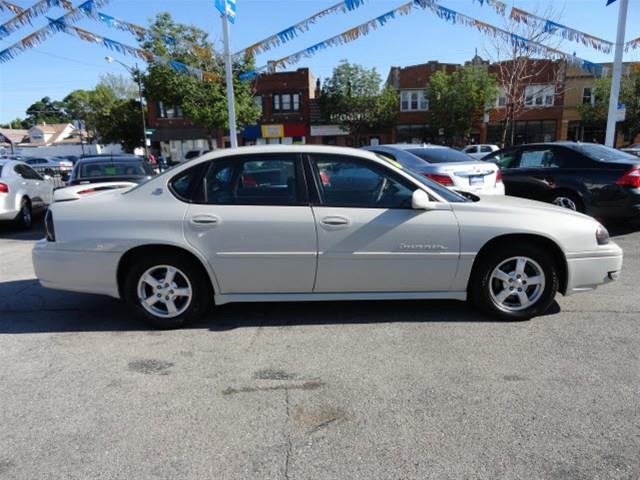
(284, 99)
(539, 105)
(411, 83)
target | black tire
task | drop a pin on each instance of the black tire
(24, 220)
(201, 296)
(482, 285)
(567, 200)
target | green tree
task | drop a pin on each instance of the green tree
(203, 101)
(458, 100)
(46, 110)
(354, 99)
(16, 123)
(595, 114)
(127, 130)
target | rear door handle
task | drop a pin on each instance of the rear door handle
(335, 221)
(205, 220)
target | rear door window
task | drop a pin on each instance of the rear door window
(539, 158)
(505, 159)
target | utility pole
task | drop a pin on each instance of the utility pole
(617, 74)
(228, 73)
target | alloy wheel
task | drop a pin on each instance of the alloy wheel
(164, 291)
(516, 283)
(565, 202)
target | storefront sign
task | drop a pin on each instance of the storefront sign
(327, 130)
(272, 131)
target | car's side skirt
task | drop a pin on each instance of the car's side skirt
(319, 297)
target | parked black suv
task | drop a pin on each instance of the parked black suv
(600, 181)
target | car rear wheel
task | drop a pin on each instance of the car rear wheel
(167, 292)
(515, 283)
(568, 200)
(25, 216)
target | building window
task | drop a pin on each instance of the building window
(286, 102)
(413, 101)
(169, 111)
(258, 100)
(539, 95)
(588, 96)
(502, 98)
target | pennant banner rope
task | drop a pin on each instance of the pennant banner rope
(89, 9)
(27, 15)
(12, 7)
(44, 33)
(565, 32)
(501, 8)
(632, 44)
(303, 26)
(442, 13)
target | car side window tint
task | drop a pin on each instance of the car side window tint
(485, 149)
(186, 185)
(349, 182)
(538, 158)
(30, 174)
(504, 160)
(255, 181)
(19, 169)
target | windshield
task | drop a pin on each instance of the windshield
(603, 153)
(445, 193)
(113, 169)
(440, 155)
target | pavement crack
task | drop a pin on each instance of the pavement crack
(301, 386)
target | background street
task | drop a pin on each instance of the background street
(371, 390)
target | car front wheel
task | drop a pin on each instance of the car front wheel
(515, 283)
(167, 292)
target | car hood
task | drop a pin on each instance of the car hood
(507, 204)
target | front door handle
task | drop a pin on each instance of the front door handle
(335, 221)
(205, 220)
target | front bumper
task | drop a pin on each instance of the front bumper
(76, 271)
(588, 270)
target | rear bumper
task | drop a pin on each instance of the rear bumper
(623, 203)
(75, 271)
(588, 270)
(8, 214)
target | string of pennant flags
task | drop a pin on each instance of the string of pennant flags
(565, 32)
(12, 7)
(443, 13)
(89, 9)
(25, 16)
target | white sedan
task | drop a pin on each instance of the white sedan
(301, 223)
(22, 192)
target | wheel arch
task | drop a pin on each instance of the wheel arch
(577, 192)
(510, 238)
(128, 258)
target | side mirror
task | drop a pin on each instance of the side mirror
(420, 201)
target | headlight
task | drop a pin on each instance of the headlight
(602, 235)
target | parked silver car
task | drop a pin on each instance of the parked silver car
(446, 166)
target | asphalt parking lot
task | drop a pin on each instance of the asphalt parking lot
(367, 390)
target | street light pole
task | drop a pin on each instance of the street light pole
(617, 74)
(135, 73)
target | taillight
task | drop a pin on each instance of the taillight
(48, 227)
(498, 176)
(441, 179)
(4, 188)
(631, 178)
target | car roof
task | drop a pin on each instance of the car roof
(115, 158)
(409, 146)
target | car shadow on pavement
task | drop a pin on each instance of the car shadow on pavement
(29, 308)
(617, 229)
(9, 231)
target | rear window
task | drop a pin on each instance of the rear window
(112, 169)
(605, 154)
(440, 155)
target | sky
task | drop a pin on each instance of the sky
(64, 63)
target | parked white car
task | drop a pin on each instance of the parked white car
(23, 192)
(480, 151)
(448, 167)
(299, 223)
